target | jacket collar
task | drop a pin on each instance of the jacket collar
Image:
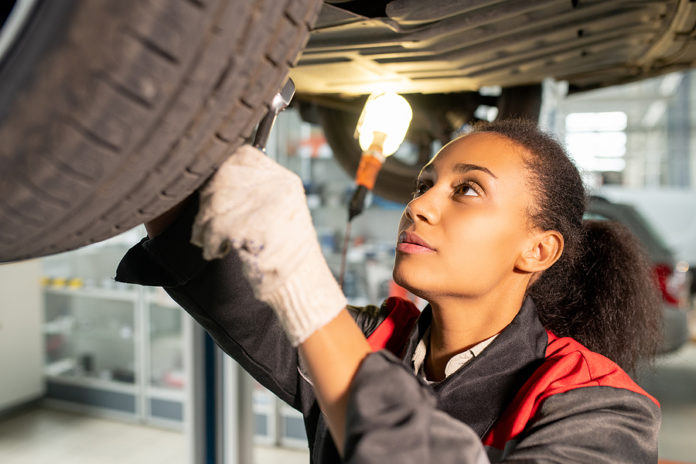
(478, 392)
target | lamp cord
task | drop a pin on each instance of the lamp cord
(344, 254)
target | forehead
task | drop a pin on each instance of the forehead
(486, 149)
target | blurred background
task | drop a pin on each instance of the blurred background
(98, 371)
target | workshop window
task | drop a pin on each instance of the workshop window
(597, 141)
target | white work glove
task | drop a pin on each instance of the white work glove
(259, 208)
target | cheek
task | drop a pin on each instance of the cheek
(484, 247)
(481, 252)
(484, 235)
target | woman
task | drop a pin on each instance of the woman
(493, 370)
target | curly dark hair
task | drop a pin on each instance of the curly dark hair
(601, 291)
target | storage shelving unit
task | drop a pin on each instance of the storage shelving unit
(113, 349)
(120, 351)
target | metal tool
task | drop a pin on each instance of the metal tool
(279, 103)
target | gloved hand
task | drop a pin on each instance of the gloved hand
(258, 207)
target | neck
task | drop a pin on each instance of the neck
(460, 323)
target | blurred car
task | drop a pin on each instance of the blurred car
(671, 276)
(112, 112)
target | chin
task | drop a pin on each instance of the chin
(409, 281)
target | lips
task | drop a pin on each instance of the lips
(412, 243)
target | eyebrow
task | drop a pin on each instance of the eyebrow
(463, 167)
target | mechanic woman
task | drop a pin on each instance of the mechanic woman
(516, 358)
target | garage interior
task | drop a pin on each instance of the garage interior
(108, 372)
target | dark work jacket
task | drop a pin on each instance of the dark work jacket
(528, 397)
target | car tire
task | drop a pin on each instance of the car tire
(113, 112)
(396, 179)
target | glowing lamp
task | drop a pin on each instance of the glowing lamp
(380, 131)
(383, 122)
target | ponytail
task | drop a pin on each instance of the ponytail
(606, 299)
(601, 291)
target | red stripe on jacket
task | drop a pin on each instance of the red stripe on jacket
(393, 332)
(568, 365)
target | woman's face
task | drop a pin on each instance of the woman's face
(467, 224)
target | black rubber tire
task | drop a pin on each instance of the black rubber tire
(112, 112)
(396, 179)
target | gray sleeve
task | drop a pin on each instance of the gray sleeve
(217, 296)
(595, 424)
(393, 417)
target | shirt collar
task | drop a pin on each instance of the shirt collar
(454, 363)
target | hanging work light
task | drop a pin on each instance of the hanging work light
(380, 131)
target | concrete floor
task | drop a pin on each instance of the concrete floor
(41, 435)
(48, 436)
(673, 383)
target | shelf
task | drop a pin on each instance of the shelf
(62, 365)
(62, 326)
(97, 293)
(165, 393)
(123, 334)
(90, 382)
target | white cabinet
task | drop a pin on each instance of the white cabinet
(21, 349)
(120, 351)
(113, 348)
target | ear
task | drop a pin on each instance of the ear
(544, 248)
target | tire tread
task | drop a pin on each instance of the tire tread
(206, 108)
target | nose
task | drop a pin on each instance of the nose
(423, 208)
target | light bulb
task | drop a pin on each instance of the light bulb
(384, 122)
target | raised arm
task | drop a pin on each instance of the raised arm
(217, 295)
(333, 355)
(257, 209)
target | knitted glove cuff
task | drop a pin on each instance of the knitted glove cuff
(309, 299)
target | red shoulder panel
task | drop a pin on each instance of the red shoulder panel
(581, 367)
(393, 332)
(568, 365)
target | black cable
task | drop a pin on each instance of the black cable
(357, 202)
(344, 254)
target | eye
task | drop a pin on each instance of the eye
(467, 189)
(421, 188)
